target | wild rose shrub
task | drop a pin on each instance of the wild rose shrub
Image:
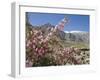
(46, 50)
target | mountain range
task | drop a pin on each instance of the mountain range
(75, 36)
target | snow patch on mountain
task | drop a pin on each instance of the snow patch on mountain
(75, 31)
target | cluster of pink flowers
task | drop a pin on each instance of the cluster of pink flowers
(36, 46)
(37, 43)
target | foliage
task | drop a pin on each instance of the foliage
(49, 50)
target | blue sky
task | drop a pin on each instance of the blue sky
(76, 22)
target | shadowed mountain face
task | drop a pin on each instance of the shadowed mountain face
(77, 37)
